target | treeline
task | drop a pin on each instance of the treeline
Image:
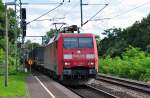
(13, 33)
(126, 52)
(117, 40)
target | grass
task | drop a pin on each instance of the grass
(16, 85)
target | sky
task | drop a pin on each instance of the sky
(117, 14)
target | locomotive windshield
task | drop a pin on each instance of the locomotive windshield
(83, 42)
(70, 43)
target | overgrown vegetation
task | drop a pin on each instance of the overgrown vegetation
(126, 52)
(13, 33)
(11, 58)
(16, 80)
(133, 64)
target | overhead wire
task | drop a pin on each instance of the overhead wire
(130, 10)
(39, 3)
(98, 12)
(95, 14)
(109, 3)
(45, 13)
(51, 19)
(68, 12)
(118, 4)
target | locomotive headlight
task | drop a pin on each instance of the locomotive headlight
(67, 56)
(67, 63)
(90, 56)
(90, 63)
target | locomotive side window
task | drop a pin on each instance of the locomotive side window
(86, 42)
(70, 43)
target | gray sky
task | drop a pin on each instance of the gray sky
(71, 12)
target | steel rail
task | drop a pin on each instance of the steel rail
(92, 89)
(102, 91)
(132, 84)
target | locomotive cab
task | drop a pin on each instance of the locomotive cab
(80, 58)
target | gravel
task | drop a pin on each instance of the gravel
(119, 91)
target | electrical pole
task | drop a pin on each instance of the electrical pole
(6, 38)
(81, 13)
(16, 49)
(6, 49)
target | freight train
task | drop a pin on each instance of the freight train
(70, 57)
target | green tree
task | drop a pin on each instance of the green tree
(29, 45)
(13, 28)
(14, 31)
(117, 40)
(1, 56)
(114, 44)
(50, 34)
(2, 21)
(148, 48)
(98, 42)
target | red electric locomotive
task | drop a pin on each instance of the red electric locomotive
(70, 57)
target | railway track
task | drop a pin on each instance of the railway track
(131, 84)
(88, 91)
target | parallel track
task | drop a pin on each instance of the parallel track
(138, 86)
(88, 91)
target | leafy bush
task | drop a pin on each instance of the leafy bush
(1, 60)
(134, 64)
(1, 56)
(11, 60)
